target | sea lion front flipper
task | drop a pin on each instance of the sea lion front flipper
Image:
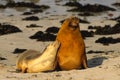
(24, 69)
(84, 62)
(57, 67)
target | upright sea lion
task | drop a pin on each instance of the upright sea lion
(71, 54)
(32, 61)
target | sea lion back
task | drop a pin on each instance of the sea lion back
(26, 56)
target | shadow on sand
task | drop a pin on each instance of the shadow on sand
(96, 61)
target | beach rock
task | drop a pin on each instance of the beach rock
(2, 58)
(86, 14)
(83, 21)
(108, 40)
(80, 20)
(73, 4)
(7, 29)
(116, 4)
(31, 18)
(37, 35)
(24, 4)
(94, 27)
(34, 11)
(17, 50)
(43, 36)
(91, 51)
(50, 34)
(52, 30)
(88, 7)
(116, 19)
(27, 13)
(107, 29)
(33, 26)
(104, 30)
(47, 37)
(86, 33)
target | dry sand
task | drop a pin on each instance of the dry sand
(103, 66)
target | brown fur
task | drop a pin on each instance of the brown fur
(71, 54)
(32, 61)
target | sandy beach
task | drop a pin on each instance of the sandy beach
(103, 60)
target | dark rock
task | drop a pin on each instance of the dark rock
(87, 34)
(117, 19)
(80, 21)
(1, 58)
(24, 4)
(73, 4)
(52, 30)
(107, 41)
(47, 37)
(36, 11)
(2, 6)
(37, 35)
(27, 13)
(62, 21)
(91, 51)
(116, 4)
(83, 21)
(42, 7)
(94, 27)
(6, 29)
(31, 18)
(33, 26)
(41, 36)
(108, 30)
(86, 14)
(88, 7)
(17, 50)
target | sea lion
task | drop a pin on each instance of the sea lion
(71, 54)
(32, 61)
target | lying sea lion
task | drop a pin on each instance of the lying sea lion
(71, 54)
(32, 61)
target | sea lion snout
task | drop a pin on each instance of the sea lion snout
(74, 22)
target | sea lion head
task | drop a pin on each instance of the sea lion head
(71, 23)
